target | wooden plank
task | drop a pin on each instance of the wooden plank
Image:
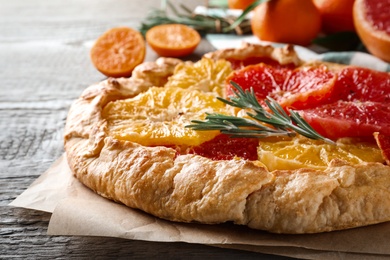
(44, 66)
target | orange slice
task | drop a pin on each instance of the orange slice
(173, 40)
(159, 116)
(206, 75)
(301, 152)
(118, 51)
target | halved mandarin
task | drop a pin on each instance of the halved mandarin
(159, 116)
(300, 152)
(118, 51)
(173, 40)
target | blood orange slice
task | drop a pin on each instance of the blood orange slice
(301, 88)
(349, 119)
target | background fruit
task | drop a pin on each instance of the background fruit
(287, 21)
(336, 15)
(118, 51)
(240, 4)
(372, 22)
(173, 40)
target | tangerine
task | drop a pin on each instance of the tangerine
(336, 15)
(287, 21)
(118, 51)
(372, 23)
(173, 40)
(240, 4)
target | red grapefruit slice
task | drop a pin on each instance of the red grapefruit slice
(383, 142)
(223, 147)
(301, 88)
(349, 119)
(372, 22)
(361, 84)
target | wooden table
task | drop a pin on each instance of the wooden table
(44, 66)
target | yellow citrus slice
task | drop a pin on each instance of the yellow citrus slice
(159, 116)
(205, 75)
(301, 152)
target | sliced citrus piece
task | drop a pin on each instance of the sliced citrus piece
(372, 22)
(300, 152)
(118, 51)
(224, 147)
(206, 75)
(159, 116)
(349, 119)
(361, 84)
(383, 142)
(173, 40)
(299, 88)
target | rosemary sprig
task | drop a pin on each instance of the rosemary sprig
(202, 23)
(262, 123)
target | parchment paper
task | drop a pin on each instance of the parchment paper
(76, 210)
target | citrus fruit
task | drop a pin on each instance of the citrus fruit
(299, 88)
(240, 4)
(159, 116)
(383, 142)
(224, 147)
(349, 119)
(173, 40)
(301, 152)
(287, 21)
(336, 15)
(372, 22)
(205, 74)
(361, 84)
(118, 51)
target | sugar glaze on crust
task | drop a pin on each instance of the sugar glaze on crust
(191, 188)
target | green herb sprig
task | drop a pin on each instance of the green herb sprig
(204, 24)
(260, 124)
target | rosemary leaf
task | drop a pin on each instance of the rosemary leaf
(260, 123)
(202, 23)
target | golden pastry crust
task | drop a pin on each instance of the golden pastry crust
(191, 188)
(284, 55)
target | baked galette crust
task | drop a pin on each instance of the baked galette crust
(191, 188)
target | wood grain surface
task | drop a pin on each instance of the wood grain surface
(44, 66)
